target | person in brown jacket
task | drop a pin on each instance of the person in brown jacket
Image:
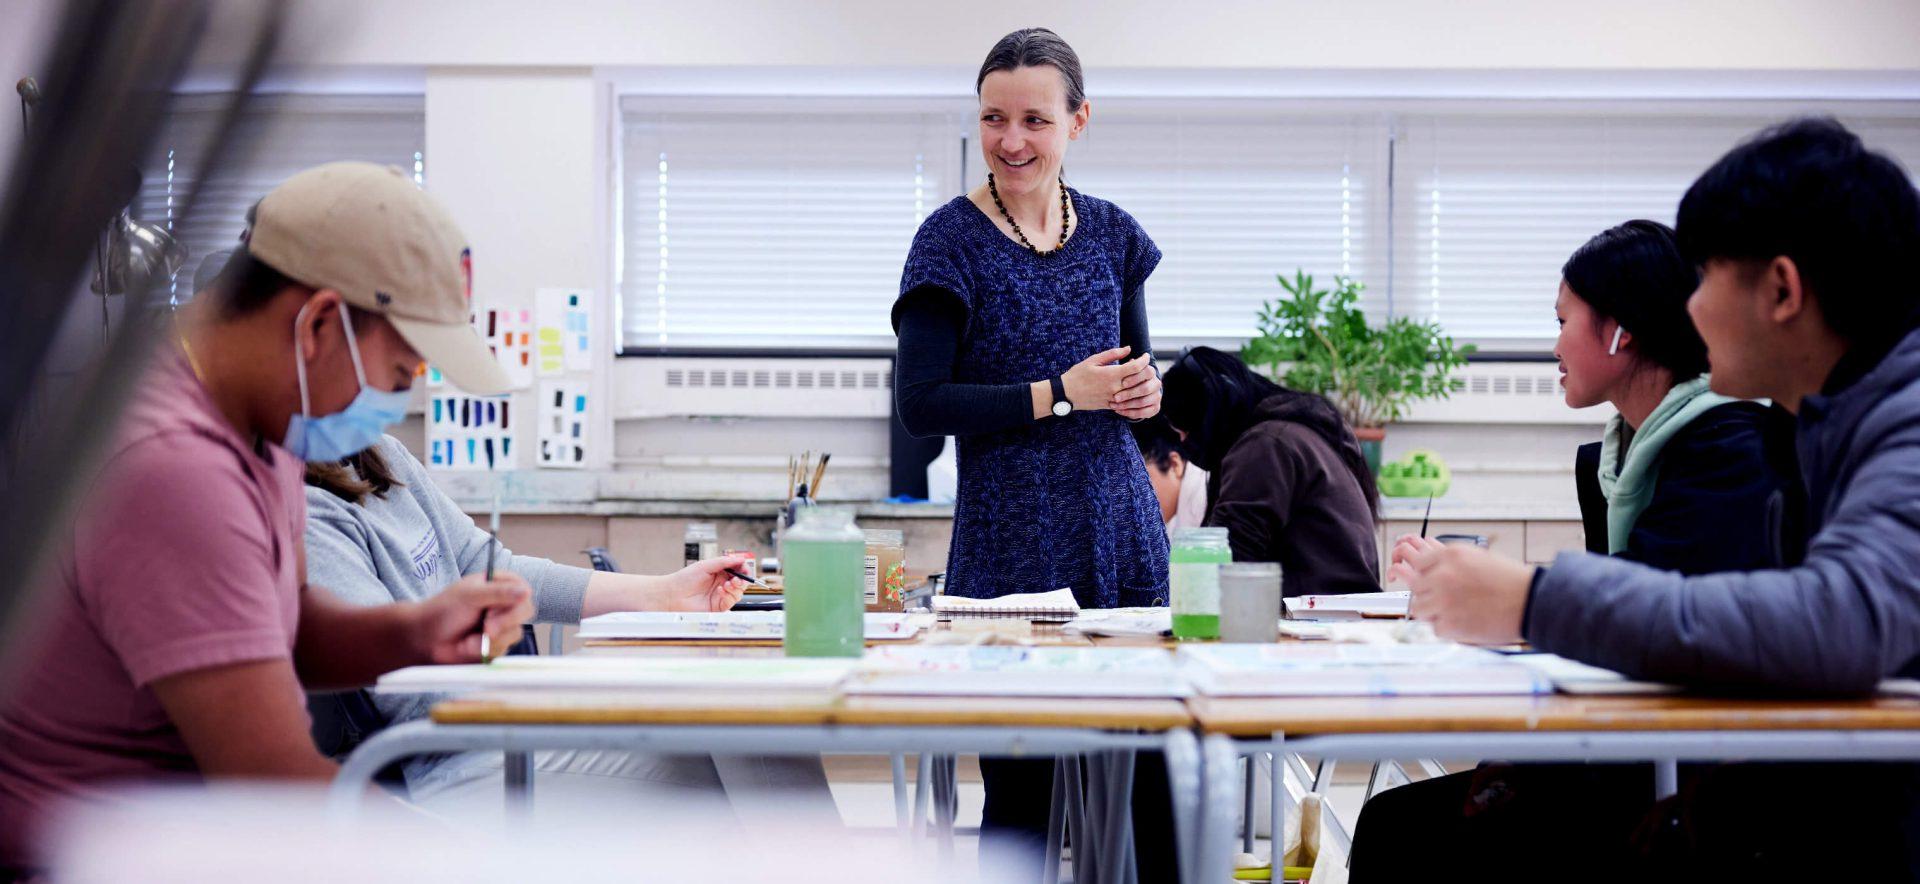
(1285, 474)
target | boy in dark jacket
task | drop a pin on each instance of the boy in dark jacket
(1807, 242)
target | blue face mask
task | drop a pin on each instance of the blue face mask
(358, 428)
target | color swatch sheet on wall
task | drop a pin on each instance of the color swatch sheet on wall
(563, 423)
(470, 432)
(510, 333)
(563, 335)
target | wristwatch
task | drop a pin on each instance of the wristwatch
(1061, 405)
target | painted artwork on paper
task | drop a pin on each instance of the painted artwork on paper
(564, 428)
(564, 332)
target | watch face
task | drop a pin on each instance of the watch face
(1061, 409)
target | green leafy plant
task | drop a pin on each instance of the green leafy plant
(1318, 340)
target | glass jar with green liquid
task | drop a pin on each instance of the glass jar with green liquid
(825, 567)
(1194, 571)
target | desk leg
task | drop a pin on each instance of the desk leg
(1183, 783)
(519, 782)
(1220, 760)
(1276, 808)
(946, 802)
(1277, 824)
(1096, 840)
(900, 791)
(1118, 842)
(922, 794)
(1056, 824)
(1666, 778)
(1246, 806)
(1077, 827)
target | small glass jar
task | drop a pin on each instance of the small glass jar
(702, 541)
(886, 585)
(1194, 574)
(1250, 602)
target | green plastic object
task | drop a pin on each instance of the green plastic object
(1420, 474)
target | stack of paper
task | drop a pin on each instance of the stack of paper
(1122, 622)
(651, 673)
(1004, 671)
(1056, 605)
(727, 625)
(1316, 669)
(1349, 607)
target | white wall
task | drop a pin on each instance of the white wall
(1826, 35)
(517, 155)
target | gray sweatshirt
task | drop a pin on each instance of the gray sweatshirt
(1837, 624)
(405, 547)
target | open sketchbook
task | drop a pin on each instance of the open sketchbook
(651, 673)
(1301, 669)
(1056, 605)
(1351, 606)
(1014, 671)
(728, 625)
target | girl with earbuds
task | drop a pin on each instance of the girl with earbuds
(1684, 480)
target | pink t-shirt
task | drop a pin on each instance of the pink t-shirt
(184, 556)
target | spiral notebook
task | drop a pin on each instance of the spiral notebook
(1056, 605)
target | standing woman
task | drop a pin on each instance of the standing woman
(1023, 333)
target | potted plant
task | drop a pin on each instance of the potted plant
(1318, 340)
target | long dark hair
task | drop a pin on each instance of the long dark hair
(1215, 398)
(354, 477)
(1635, 275)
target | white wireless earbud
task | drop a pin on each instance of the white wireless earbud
(1614, 348)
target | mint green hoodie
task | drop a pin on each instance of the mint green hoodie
(1628, 482)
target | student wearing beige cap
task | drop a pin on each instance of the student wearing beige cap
(179, 630)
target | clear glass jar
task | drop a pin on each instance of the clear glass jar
(702, 541)
(1194, 574)
(824, 570)
(1250, 602)
(886, 579)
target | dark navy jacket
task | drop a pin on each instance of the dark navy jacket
(1727, 496)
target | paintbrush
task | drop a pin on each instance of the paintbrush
(820, 472)
(493, 543)
(793, 480)
(751, 581)
(1424, 519)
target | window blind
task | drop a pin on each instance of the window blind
(1490, 206)
(1234, 197)
(785, 226)
(275, 137)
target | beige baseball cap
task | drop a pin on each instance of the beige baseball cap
(369, 233)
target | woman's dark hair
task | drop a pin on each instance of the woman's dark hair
(1216, 398)
(1158, 441)
(1809, 190)
(1635, 275)
(353, 478)
(1033, 47)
